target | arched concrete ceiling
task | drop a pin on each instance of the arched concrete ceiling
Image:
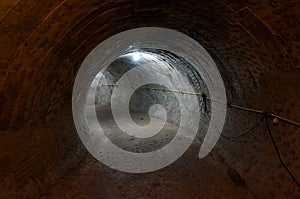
(256, 45)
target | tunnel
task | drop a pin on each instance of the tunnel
(227, 67)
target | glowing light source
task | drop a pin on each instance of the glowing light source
(136, 56)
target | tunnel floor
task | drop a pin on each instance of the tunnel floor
(188, 177)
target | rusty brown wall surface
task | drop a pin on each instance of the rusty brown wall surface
(256, 45)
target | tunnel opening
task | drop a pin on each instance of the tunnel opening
(147, 95)
(156, 80)
(255, 45)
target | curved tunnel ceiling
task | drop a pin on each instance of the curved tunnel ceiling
(255, 45)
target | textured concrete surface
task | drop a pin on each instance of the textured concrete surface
(255, 44)
(183, 179)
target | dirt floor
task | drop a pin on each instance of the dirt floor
(188, 177)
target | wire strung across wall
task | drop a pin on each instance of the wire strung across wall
(297, 124)
(252, 129)
(265, 116)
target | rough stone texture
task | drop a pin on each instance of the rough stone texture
(255, 44)
(142, 99)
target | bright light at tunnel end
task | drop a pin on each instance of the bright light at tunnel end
(136, 56)
(92, 134)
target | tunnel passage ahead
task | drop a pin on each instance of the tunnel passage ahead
(255, 45)
(152, 68)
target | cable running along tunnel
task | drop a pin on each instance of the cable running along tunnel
(149, 99)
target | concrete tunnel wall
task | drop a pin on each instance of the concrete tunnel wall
(142, 99)
(254, 43)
